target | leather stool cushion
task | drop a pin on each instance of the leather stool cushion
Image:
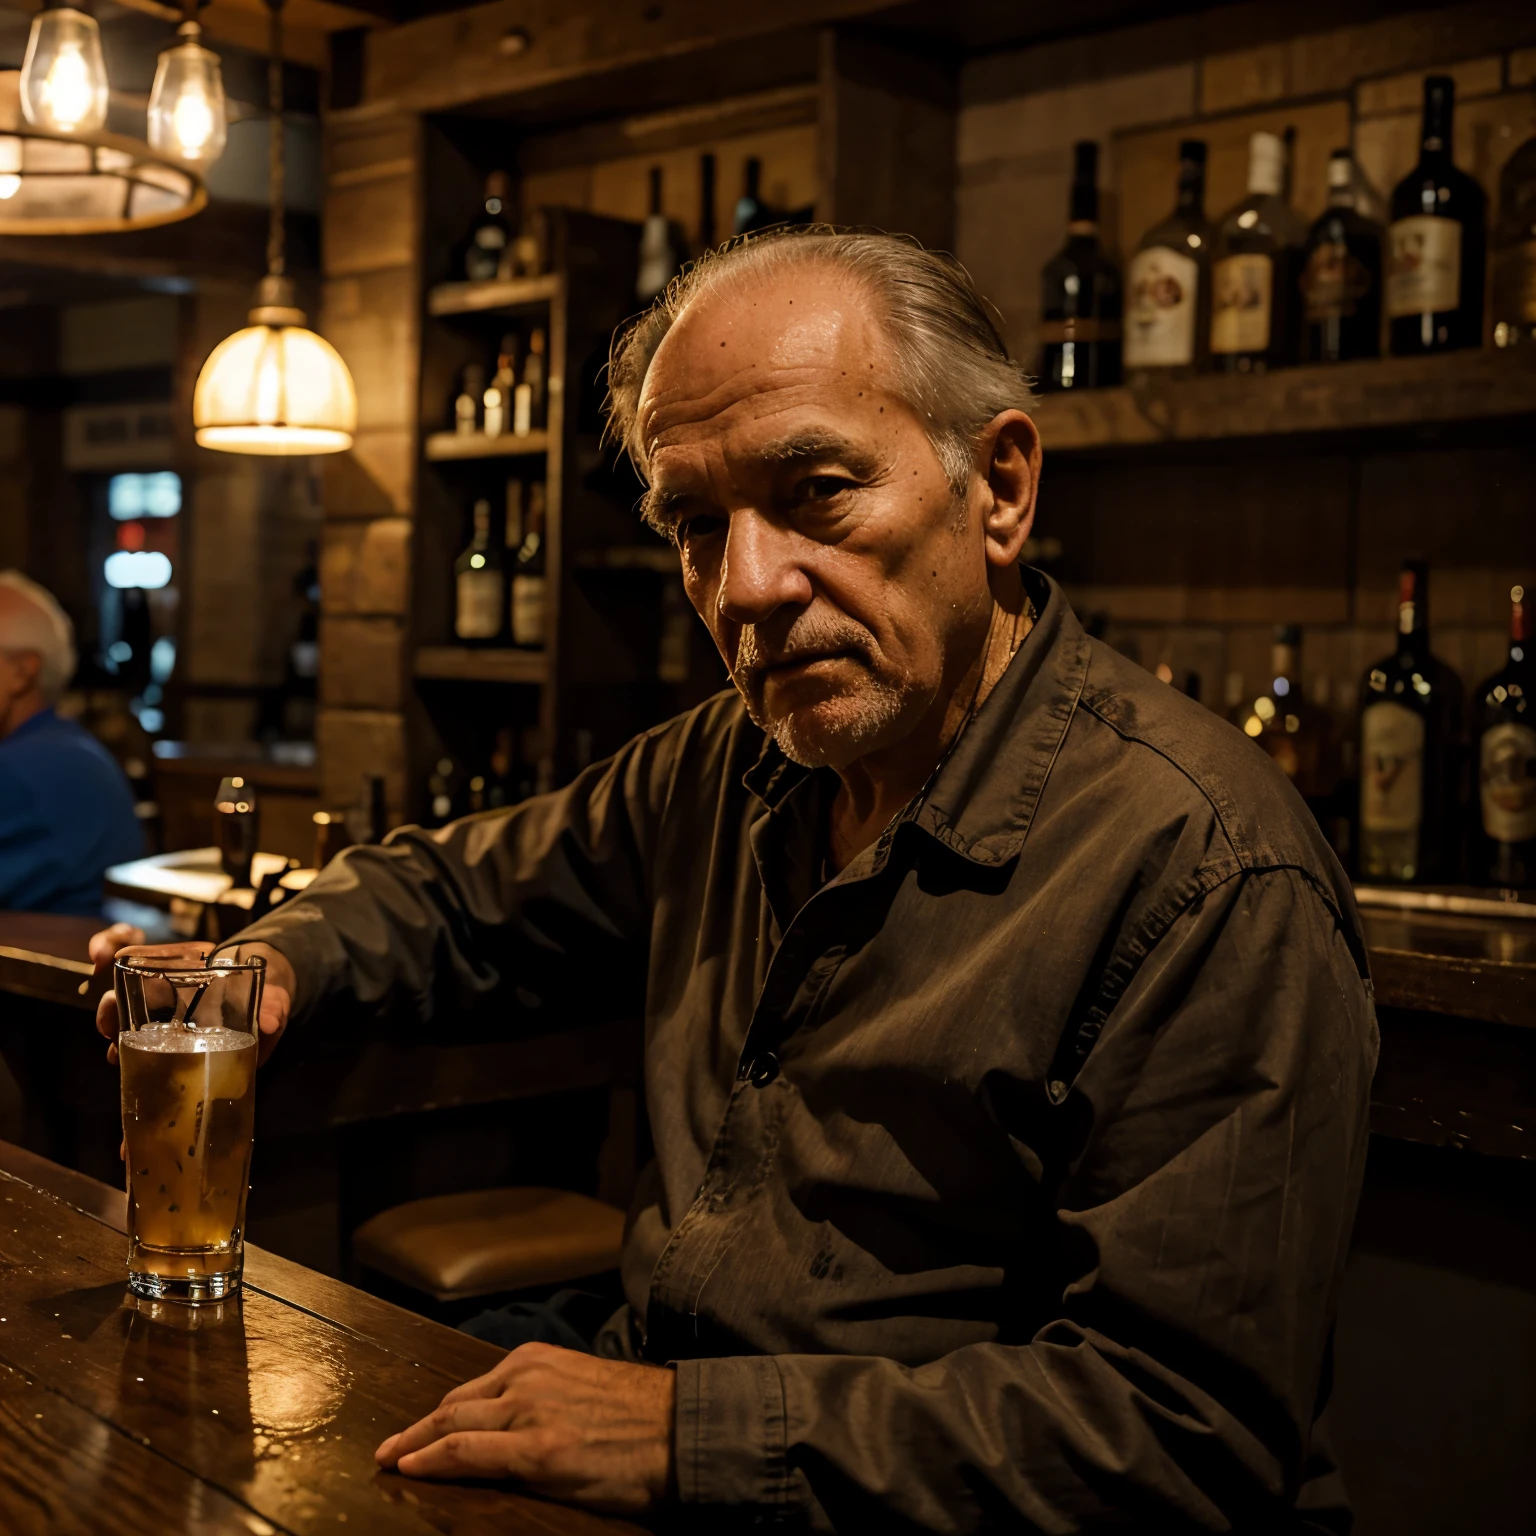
(487, 1240)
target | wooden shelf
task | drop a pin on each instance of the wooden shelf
(660, 558)
(469, 664)
(445, 447)
(491, 298)
(1389, 392)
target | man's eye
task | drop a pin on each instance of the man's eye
(699, 527)
(822, 487)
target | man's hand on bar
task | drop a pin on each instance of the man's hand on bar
(122, 939)
(568, 1425)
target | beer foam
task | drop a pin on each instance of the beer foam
(173, 1039)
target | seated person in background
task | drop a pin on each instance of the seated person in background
(66, 812)
(1007, 1037)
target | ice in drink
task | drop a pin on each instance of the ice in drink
(188, 1112)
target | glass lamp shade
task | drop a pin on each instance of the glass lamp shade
(64, 77)
(275, 388)
(80, 184)
(187, 116)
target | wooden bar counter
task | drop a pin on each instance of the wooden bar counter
(254, 1416)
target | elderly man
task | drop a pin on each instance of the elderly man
(66, 812)
(1006, 1025)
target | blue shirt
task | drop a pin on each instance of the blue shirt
(66, 813)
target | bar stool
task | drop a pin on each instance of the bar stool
(489, 1241)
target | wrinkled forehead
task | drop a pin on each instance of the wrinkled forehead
(760, 344)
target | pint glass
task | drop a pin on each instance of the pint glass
(187, 1050)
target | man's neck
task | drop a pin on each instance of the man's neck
(876, 787)
(19, 710)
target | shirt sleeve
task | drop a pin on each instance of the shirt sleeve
(1200, 1235)
(552, 895)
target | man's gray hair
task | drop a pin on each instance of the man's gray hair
(37, 623)
(951, 363)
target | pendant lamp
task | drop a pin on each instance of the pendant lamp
(275, 387)
(188, 117)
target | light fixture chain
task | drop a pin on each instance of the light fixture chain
(275, 261)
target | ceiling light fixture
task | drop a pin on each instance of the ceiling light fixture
(64, 77)
(188, 118)
(275, 387)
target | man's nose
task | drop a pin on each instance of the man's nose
(762, 570)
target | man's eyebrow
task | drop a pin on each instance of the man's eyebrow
(817, 445)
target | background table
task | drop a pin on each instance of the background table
(255, 1417)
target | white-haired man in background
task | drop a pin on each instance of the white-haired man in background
(66, 811)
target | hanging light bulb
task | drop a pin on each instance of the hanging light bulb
(275, 387)
(187, 116)
(10, 167)
(64, 78)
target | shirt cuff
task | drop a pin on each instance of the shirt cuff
(731, 1434)
(304, 938)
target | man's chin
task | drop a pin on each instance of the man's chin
(835, 732)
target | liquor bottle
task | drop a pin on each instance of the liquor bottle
(528, 255)
(536, 378)
(512, 526)
(478, 255)
(528, 575)
(658, 258)
(1253, 267)
(498, 393)
(1080, 293)
(1506, 760)
(442, 792)
(1292, 729)
(235, 829)
(1435, 247)
(752, 213)
(1341, 275)
(1167, 283)
(707, 232)
(1514, 251)
(1410, 729)
(469, 401)
(479, 590)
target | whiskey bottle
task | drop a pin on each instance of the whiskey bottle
(1341, 275)
(528, 579)
(1410, 729)
(1293, 730)
(479, 592)
(1080, 294)
(1506, 761)
(536, 377)
(752, 213)
(1253, 269)
(658, 257)
(469, 401)
(1436, 244)
(1166, 287)
(498, 393)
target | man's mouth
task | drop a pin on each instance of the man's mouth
(804, 661)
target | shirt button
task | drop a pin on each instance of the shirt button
(763, 1069)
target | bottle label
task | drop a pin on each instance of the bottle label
(528, 610)
(1507, 782)
(1391, 769)
(1241, 290)
(1423, 266)
(1333, 282)
(478, 612)
(1164, 287)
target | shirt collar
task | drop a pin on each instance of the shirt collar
(32, 722)
(983, 797)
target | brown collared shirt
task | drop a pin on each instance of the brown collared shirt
(1004, 1180)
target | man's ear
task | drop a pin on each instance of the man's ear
(1009, 460)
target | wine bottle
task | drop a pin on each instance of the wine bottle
(1253, 262)
(752, 213)
(1410, 728)
(1080, 293)
(1341, 275)
(1514, 251)
(1293, 730)
(658, 259)
(1436, 244)
(479, 593)
(1167, 282)
(536, 377)
(498, 393)
(528, 579)
(1506, 760)
(478, 255)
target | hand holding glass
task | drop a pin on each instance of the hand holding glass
(187, 1050)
